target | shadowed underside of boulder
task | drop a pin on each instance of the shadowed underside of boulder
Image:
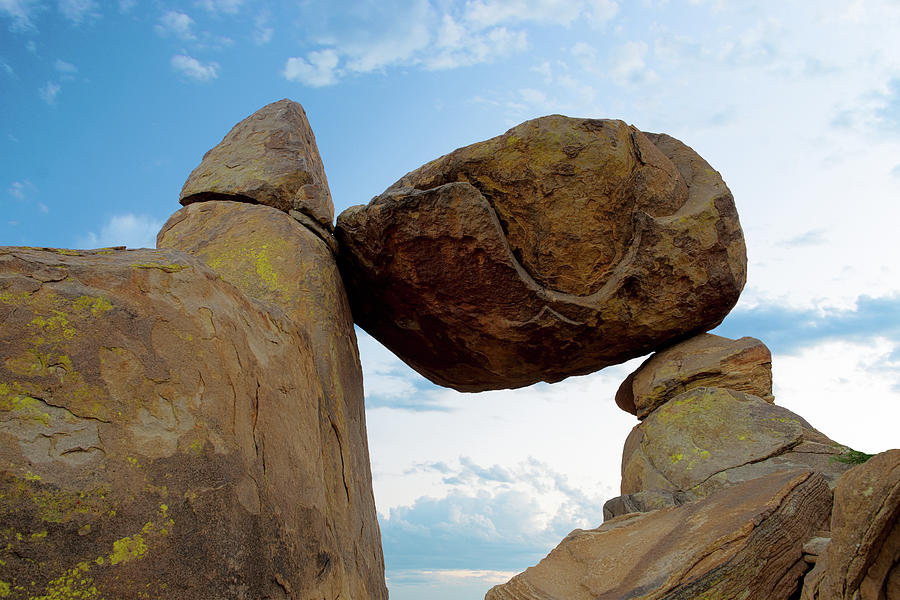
(744, 542)
(558, 248)
(160, 434)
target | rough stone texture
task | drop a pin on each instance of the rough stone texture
(161, 436)
(744, 542)
(862, 561)
(271, 257)
(709, 438)
(563, 246)
(269, 158)
(641, 502)
(744, 365)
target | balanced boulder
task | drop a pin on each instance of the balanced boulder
(744, 542)
(269, 158)
(563, 246)
(161, 435)
(707, 360)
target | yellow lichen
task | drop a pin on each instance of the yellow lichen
(128, 548)
(4, 589)
(73, 584)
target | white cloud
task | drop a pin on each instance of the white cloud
(77, 11)
(176, 23)
(629, 65)
(126, 5)
(262, 31)
(7, 69)
(20, 12)
(317, 70)
(134, 231)
(20, 189)
(193, 69)
(487, 13)
(221, 6)
(49, 91)
(66, 70)
(827, 382)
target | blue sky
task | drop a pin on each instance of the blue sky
(106, 106)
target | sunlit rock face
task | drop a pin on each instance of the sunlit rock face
(558, 248)
(269, 158)
(745, 542)
(707, 360)
(163, 433)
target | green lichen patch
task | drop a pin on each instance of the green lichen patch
(73, 584)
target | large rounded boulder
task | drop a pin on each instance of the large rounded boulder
(558, 248)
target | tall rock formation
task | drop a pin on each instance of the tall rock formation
(189, 422)
(160, 433)
(271, 257)
(558, 248)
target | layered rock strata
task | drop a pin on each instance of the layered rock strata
(271, 257)
(861, 561)
(269, 158)
(161, 433)
(563, 246)
(744, 542)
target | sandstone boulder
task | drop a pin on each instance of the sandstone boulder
(563, 246)
(744, 542)
(862, 560)
(269, 158)
(271, 257)
(707, 360)
(710, 438)
(161, 436)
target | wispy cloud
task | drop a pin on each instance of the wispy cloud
(49, 91)
(221, 6)
(788, 330)
(20, 190)
(433, 36)
(318, 69)
(262, 29)
(125, 6)
(21, 13)
(132, 230)
(193, 69)
(79, 11)
(177, 24)
(65, 69)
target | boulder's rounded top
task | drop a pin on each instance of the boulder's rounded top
(269, 158)
(557, 248)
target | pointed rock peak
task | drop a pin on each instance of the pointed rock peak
(269, 158)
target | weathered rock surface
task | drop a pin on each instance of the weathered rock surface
(744, 542)
(161, 433)
(862, 560)
(707, 360)
(563, 246)
(710, 438)
(271, 257)
(641, 502)
(269, 158)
